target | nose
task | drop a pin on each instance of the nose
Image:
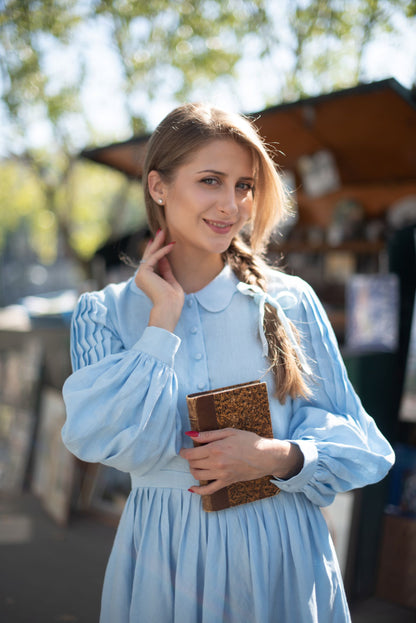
(228, 202)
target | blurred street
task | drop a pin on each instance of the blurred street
(52, 574)
(330, 87)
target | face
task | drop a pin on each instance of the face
(210, 198)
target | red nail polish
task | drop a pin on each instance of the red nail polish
(158, 231)
(174, 242)
(190, 490)
(192, 433)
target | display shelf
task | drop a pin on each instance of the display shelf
(358, 247)
(376, 199)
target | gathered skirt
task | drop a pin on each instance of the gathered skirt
(271, 561)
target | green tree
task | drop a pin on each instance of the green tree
(164, 49)
(153, 41)
(411, 9)
(99, 202)
(329, 40)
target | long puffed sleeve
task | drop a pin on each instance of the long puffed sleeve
(121, 403)
(343, 448)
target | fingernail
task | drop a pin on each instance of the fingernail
(192, 433)
(158, 231)
(190, 491)
(174, 242)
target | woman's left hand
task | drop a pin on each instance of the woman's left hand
(229, 455)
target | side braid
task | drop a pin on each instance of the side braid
(249, 268)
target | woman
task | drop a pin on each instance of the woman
(189, 321)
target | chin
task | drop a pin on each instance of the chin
(221, 247)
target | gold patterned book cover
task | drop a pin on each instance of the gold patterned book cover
(246, 407)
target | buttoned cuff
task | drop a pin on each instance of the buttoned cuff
(310, 461)
(159, 343)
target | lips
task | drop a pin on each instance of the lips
(219, 226)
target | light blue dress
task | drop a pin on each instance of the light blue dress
(271, 561)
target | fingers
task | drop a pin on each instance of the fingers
(155, 251)
(156, 279)
(230, 455)
(193, 454)
(209, 462)
(208, 489)
(165, 271)
(210, 435)
(207, 447)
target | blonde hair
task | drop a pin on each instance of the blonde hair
(181, 133)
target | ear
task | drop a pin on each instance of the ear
(156, 186)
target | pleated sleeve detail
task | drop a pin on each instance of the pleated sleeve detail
(342, 446)
(121, 403)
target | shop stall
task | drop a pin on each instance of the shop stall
(349, 161)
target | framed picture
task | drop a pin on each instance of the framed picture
(16, 434)
(54, 465)
(372, 308)
(22, 368)
(20, 378)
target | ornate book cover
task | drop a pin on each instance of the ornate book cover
(246, 407)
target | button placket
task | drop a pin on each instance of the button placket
(196, 350)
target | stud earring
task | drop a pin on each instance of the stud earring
(160, 201)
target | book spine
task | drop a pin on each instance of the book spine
(202, 417)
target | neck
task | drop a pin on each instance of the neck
(194, 273)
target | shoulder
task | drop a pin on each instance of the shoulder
(112, 300)
(115, 293)
(279, 282)
(296, 296)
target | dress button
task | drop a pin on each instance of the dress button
(189, 302)
(201, 385)
(194, 330)
(198, 356)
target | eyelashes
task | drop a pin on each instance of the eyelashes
(246, 186)
(213, 181)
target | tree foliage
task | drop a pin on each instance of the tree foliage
(44, 66)
(330, 39)
(173, 46)
(97, 203)
(171, 50)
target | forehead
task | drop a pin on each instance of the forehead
(225, 155)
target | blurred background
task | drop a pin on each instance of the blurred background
(331, 85)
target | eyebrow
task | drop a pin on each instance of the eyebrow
(243, 177)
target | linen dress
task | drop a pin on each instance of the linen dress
(171, 562)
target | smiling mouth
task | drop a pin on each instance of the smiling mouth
(218, 224)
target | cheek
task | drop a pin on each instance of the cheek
(247, 208)
(186, 200)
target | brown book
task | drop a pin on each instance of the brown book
(246, 407)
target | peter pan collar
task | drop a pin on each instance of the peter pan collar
(217, 295)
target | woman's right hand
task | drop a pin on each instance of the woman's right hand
(156, 279)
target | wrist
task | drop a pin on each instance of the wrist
(163, 318)
(289, 460)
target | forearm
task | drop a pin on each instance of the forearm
(163, 317)
(230, 455)
(288, 458)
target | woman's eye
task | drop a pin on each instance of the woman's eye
(210, 181)
(246, 186)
